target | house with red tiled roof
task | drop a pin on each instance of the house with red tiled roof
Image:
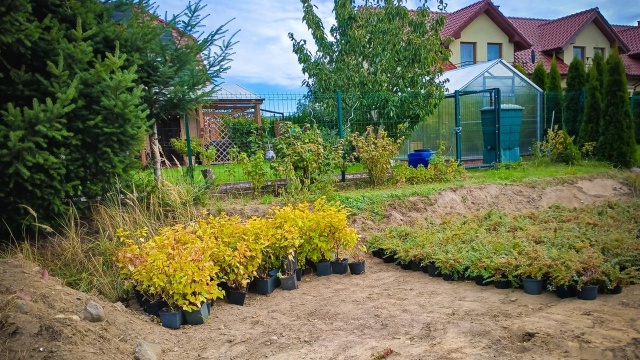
(479, 33)
(577, 35)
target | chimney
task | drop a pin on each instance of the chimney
(638, 23)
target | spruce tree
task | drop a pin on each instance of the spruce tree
(617, 143)
(539, 76)
(554, 95)
(574, 104)
(590, 128)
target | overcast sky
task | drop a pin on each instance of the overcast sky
(264, 63)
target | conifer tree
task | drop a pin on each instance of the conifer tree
(521, 69)
(574, 104)
(554, 95)
(590, 128)
(539, 76)
(617, 143)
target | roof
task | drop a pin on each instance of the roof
(631, 36)
(234, 92)
(458, 20)
(550, 35)
(459, 79)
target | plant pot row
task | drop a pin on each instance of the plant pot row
(530, 286)
(339, 267)
(173, 319)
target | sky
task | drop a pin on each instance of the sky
(263, 61)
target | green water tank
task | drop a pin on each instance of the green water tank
(510, 124)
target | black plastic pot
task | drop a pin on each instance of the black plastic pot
(153, 308)
(482, 281)
(588, 292)
(533, 286)
(415, 266)
(447, 277)
(323, 268)
(356, 268)
(566, 291)
(405, 266)
(615, 290)
(389, 258)
(236, 297)
(299, 274)
(502, 284)
(340, 266)
(171, 319)
(376, 253)
(288, 282)
(432, 269)
(265, 286)
(197, 317)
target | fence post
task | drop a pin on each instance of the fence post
(498, 107)
(343, 175)
(189, 150)
(457, 128)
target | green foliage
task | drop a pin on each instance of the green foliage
(381, 48)
(206, 155)
(574, 109)
(559, 147)
(306, 157)
(440, 169)
(590, 129)
(617, 144)
(589, 245)
(254, 169)
(81, 89)
(539, 76)
(376, 150)
(554, 96)
(521, 69)
(242, 132)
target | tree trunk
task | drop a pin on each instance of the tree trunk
(155, 152)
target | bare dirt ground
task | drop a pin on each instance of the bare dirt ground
(347, 316)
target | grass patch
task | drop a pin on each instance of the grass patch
(373, 201)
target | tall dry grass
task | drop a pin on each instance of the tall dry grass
(81, 251)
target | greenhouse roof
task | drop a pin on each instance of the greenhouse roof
(460, 78)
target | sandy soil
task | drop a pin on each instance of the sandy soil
(347, 316)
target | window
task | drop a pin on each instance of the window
(578, 52)
(494, 51)
(597, 50)
(467, 54)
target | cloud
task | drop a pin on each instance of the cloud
(264, 54)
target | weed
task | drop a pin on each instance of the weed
(384, 354)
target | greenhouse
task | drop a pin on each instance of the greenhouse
(471, 133)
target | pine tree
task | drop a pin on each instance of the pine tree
(539, 76)
(590, 128)
(574, 104)
(617, 143)
(554, 95)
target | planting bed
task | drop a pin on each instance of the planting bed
(343, 316)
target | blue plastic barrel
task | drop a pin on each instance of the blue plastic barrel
(420, 157)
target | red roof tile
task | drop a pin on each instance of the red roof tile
(448, 66)
(557, 34)
(632, 65)
(458, 20)
(631, 36)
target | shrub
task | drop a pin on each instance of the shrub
(306, 157)
(559, 147)
(242, 132)
(440, 169)
(376, 150)
(254, 169)
(206, 154)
